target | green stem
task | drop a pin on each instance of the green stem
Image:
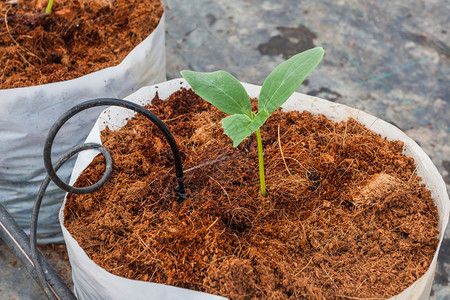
(261, 164)
(49, 7)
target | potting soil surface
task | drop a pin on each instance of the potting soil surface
(346, 215)
(77, 38)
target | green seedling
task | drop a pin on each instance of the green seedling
(48, 10)
(226, 93)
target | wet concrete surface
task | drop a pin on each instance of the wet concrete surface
(15, 281)
(389, 58)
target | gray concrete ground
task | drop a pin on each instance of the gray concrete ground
(389, 58)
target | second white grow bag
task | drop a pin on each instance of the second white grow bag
(93, 282)
(26, 115)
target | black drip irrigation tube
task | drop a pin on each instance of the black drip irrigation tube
(25, 248)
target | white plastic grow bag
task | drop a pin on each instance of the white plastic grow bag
(26, 115)
(93, 282)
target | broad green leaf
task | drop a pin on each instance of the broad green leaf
(239, 126)
(220, 89)
(287, 77)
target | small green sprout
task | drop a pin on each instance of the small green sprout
(48, 10)
(226, 93)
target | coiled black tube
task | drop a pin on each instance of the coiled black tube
(51, 170)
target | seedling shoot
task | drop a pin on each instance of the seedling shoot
(48, 10)
(226, 93)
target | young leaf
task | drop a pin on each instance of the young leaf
(286, 78)
(220, 89)
(226, 93)
(239, 126)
